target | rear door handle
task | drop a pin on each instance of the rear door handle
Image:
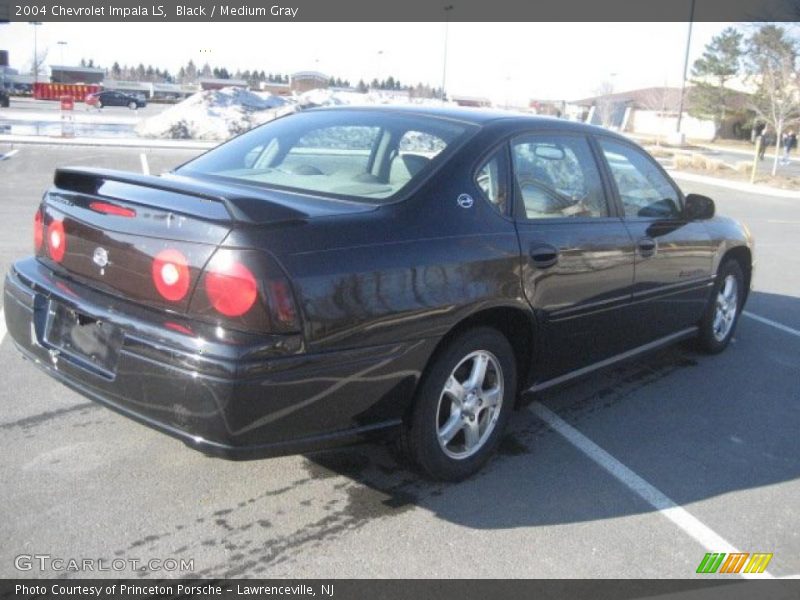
(647, 246)
(544, 255)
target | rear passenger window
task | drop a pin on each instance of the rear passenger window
(642, 187)
(557, 177)
(492, 179)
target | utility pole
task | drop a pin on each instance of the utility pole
(61, 44)
(447, 10)
(35, 24)
(685, 68)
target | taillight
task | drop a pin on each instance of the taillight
(56, 240)
(38, 230)
(231, 287)
(171, 274)
(245, 290)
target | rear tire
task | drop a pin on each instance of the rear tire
(724, 306)
(462, 405)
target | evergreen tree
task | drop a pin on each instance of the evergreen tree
(710, 98)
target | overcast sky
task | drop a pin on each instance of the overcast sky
(502, 61)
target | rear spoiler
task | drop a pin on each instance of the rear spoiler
(180, 195)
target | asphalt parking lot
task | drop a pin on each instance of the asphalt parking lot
(637, 471)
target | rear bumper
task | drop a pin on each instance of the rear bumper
(224, 393)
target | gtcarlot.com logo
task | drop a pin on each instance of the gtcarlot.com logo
(47, 562)
(735, 562)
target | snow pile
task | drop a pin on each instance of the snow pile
(221, 114)
(327, 97)
(215, 115)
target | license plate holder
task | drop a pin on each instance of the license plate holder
(92, 343)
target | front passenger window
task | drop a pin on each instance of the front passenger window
(643, 189)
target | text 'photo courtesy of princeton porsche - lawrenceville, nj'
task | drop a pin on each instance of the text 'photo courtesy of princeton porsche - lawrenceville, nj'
(346, 299)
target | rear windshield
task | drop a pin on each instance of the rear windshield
(363, 155)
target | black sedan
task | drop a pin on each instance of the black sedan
(113, 98)
(345, 273)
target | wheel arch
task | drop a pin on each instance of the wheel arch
(514, 322)
(743, 256)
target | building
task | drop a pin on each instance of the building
(277, 89)
(303, 81)
(64, 74)
(209, 83)
(654, 111)
(471, 101)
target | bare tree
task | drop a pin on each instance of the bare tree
(772, 66)
(38, 63)
(604, 105)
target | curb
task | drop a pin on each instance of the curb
(111, 142)
(739, 186)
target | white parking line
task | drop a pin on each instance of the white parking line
(145, 165)
(772, 323)
(2, 326)
(708, 538)
(8, 154)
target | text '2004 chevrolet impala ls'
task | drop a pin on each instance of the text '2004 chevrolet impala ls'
(340, 273)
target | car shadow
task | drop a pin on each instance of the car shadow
(693, 425)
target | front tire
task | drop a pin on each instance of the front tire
(724, 306)
(132, 105)
(463, 405)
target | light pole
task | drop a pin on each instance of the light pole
(61, 44)
(447, 10)
(685, 68)
(35, 24)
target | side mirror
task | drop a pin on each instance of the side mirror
(699, 208)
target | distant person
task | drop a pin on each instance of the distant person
(789, 142)
(766, 139)
(758, 131)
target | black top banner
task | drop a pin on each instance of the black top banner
(405, 10)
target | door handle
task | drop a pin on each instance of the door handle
(544, 255)
(647, 246)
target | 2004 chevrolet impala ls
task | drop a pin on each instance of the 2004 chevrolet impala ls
(345, 272)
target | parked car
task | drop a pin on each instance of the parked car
(112, 98)
(4, 98)
(344, 273)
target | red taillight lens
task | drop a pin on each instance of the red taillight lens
(56, 240)
(112, 209)
(231, 288)
(171, 274)
(38, 230)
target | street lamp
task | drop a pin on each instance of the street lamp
(61, 44)
(685, 69)
(35, 24)
(447, 10)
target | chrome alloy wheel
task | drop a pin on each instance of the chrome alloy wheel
(469, 405)
(727, 305)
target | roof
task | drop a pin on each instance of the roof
(76, 69)
(309, 75)
(225, 82)
(655, 98)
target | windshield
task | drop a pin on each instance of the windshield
(368, 155)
